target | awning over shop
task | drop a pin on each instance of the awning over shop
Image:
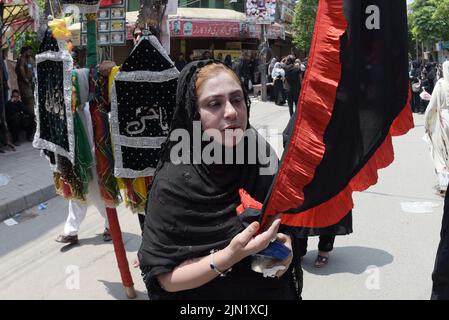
(16, 2)
(208, 14)
(20, 9)
(19, 16)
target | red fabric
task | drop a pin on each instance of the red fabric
(119, 248)
(315, 109)
(107, 3)
(247, 202)
(404, 122)
(66, 190)
(332, 211)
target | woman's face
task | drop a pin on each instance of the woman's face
(222, 106)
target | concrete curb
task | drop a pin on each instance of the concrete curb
(15, 206)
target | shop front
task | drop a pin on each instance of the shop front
(222, 32)
(193, 31)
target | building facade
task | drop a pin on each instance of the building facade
(225, 27)
(222, 27)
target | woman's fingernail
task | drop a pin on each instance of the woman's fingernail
(255, 226)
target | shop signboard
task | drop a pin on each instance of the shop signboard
(204, 29)
(276, 31)
(442, 45)
(254, 31)
(222, 29)
(260, 11)
(287, 14)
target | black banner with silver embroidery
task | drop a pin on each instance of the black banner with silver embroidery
(53, 100)
(143, 99)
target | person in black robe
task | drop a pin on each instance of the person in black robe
(440, 275)
(416, 86)
(425, 85)
(228, 61)
(19, 118)
(191, 209)
(292, 83)
(326, 235)
(181, 63)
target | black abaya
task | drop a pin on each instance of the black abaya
(440, 275)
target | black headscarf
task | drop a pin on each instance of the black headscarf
(191, 208)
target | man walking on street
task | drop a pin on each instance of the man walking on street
(24, 71)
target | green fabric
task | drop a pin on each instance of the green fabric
(83, 154)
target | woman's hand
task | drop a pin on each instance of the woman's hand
(246, 243)
(196, 272)
(287, 241)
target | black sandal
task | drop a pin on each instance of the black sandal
(321, 261)
(107, 235)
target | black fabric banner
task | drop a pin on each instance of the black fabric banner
(53, 99)
(143, 100)
(354, 98)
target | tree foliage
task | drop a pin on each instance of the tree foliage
(442, 10)
(429, 20)
(41, 4)
(303, 24)
(26, 38)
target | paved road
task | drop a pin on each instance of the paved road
(30, 180)
(401, 246)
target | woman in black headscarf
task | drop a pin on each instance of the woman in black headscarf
(292, 83)
(194, 244)
(228, 61)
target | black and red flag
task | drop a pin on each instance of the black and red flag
(354, 98)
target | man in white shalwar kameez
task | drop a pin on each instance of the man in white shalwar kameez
(77, 209)
(437, 128)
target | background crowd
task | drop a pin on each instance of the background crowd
(17, 117)
(423, 77)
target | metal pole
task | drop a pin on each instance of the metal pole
(417, 49)
(264, 69)
(422, 50)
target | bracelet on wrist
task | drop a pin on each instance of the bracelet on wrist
(214, 267)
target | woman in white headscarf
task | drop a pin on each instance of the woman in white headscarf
(437, 128)
(278, 75)
(270, 69)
